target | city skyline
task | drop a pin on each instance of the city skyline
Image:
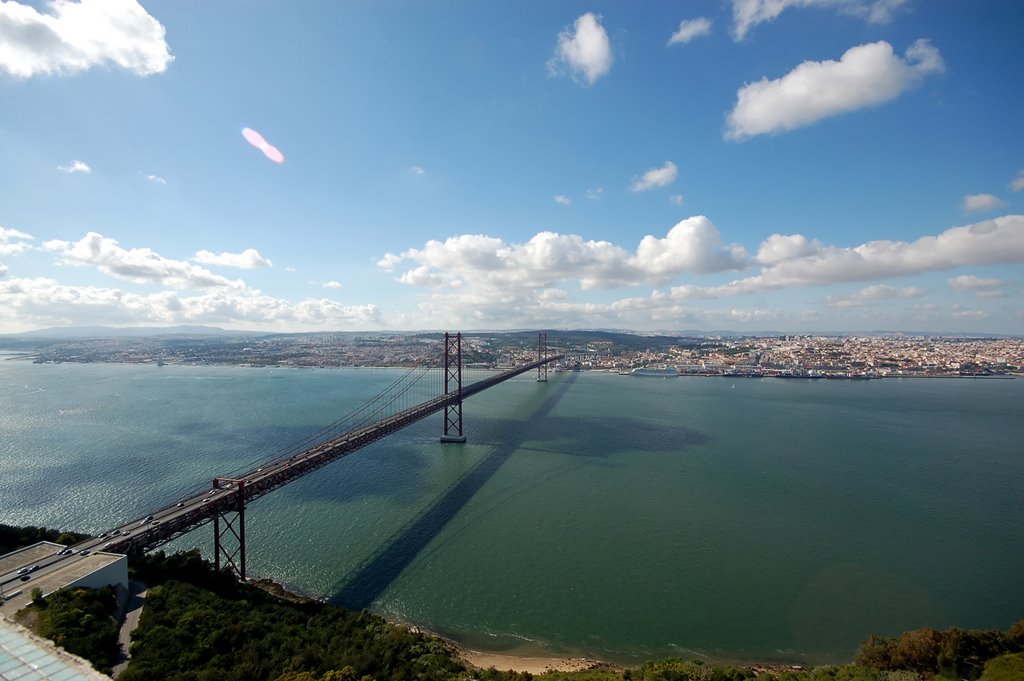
(796, 166)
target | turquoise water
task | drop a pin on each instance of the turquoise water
(611, 516)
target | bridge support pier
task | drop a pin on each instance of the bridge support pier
(453, 384)
(227, 524)
(542, 352)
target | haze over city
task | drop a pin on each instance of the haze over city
(811, 165)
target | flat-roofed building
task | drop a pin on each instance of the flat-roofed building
(46, 566)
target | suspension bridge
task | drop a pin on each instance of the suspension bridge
(435, 384)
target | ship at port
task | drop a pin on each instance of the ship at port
(663, 372)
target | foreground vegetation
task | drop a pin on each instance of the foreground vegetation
(199, 624)
(82, 621)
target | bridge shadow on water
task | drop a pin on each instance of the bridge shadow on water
(375, 575)
(599, 439)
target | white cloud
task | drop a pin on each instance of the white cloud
(156, 179)
(548, 258)
(692, 245)
(969, 282)
(690, 29)
(976, 203)
(418, 171)
(75, 167)
(289, 269)
(140, 265)
(749, 13)
(969, 314)
(3, 270)
(676, 199)
(656, 177)
(546, 279)
(554, 294)
(423, 276)
(779, 247)
(45, 302)
(389, 262)
(1018, 182)
(595, 193)
(563, 199)
(991, 242)
(586, 52)
(332, 284)
(876, 293)
(249, 259)
(76, 36)
(866, 75)
(13, 242)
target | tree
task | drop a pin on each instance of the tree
(1004, 668)
(918, 650)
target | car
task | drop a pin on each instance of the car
(126, 533)
(33, 568)
(22, 571)
(109, 544)
(115, 533)
(102, 536)
(25, 578)
(180, 504)
(155, 522)
(84, 552)
(149, 517)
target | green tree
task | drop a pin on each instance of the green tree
(1004, 668)
(82, 622)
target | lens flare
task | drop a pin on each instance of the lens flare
(268, 149)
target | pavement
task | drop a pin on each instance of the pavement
(136, 600)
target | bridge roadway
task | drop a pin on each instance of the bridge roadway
(170, 522)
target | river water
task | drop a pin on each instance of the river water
(610, 516)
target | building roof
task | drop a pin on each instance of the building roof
(27, 657)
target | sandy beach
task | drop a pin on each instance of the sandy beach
(534, 665)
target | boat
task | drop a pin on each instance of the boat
(663, 372)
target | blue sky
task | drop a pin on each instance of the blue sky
(789, 165)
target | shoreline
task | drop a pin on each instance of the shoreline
(524, 658)
(532, 665)
(14, 356)
(506, 660)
